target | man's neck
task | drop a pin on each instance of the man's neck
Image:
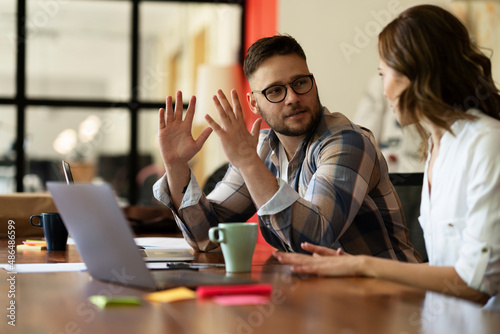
(290, 144)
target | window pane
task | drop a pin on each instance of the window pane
(7, 153)
(94, 141)
(151, 165)
(8, 48)
(78, 49)
(177, 37)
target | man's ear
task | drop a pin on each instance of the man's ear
(252, 104)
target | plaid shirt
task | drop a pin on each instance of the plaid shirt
(338, 195)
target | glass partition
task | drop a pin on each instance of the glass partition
(94, 141)
(176, 38)
(78, 103)
(78, 49)
(8, 50)
(7, 152)
(152, 168)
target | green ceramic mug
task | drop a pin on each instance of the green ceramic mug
(238, 244)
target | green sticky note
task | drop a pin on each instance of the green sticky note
(104, 301)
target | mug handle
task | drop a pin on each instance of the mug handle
(40, 224)
(211, 235)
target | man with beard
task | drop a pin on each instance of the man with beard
(312, 177)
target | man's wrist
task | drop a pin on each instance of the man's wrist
(251, 165)
(176, 166)
(244, 158)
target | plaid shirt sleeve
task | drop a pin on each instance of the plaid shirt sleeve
(228, 202)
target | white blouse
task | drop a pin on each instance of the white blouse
(461, 217)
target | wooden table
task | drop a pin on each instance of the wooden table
(58, 303)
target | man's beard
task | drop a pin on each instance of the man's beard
(281, 128)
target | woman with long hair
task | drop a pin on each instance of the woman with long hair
(435, 77)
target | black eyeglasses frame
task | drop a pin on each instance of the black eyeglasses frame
(263, 92)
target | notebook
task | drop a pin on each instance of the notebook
(106, 244)
(150, 255)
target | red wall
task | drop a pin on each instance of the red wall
(260, 21)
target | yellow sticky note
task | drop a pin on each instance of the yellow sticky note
(30, 248)
(171, 295)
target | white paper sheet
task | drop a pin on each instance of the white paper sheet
(61, 267)
(160, 242)
(146, 242)
(156, 242)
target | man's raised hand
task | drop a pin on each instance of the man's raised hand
(238, 144)
(177, 145)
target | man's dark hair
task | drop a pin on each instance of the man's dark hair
(268, 47)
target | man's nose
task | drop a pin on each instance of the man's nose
(291, 96)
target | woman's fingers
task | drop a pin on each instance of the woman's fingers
(324, 251)
(292, 258)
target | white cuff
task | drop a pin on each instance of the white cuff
(282, 199)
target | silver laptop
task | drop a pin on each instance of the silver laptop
(106, 244)
(150, 255)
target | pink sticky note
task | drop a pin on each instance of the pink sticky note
(229, 300)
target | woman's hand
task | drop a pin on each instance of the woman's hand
(324, 261)
(321, 250)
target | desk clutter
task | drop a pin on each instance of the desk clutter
(225, 295)
(32, 245)
(104, 301)
(58, 296)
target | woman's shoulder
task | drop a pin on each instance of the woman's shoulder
(483, 122)
(480, 137)
(482, 127)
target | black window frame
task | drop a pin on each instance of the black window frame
(20, 101)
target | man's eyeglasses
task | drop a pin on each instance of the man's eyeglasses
(277, 93)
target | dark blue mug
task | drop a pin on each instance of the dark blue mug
(55, 232)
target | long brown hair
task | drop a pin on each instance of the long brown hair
(448, 73)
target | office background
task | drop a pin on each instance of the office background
(95, 72)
